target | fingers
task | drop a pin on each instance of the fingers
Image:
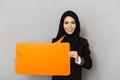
(73, 54)
(14, 58)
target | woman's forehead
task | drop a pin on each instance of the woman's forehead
(69, 18)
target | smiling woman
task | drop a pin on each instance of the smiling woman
(69, 25)
(79, 48)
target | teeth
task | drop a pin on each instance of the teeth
(69, 30)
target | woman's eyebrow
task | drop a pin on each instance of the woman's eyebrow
(66, 21)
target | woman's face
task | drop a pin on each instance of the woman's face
(69, 24)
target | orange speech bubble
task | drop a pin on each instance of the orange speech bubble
(43, 58)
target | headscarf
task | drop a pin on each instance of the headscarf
(71, 38)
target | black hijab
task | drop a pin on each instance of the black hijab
(71, 38)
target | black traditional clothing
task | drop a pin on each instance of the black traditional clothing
(76, 44)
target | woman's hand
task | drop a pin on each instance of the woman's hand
(74, 54)
(14, 58)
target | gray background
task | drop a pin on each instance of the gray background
(38, 20)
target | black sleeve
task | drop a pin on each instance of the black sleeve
(86, 56)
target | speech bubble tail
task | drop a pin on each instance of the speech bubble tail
(59, 41)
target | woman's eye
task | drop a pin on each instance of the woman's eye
(73, 22)
(66, 22)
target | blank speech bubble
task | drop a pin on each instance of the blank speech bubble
(43, 58)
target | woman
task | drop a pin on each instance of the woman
(79, 48)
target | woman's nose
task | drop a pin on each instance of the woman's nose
(69, 25)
